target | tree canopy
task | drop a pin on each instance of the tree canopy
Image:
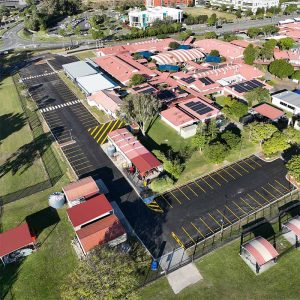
(293, 167)
(216, 152)
(276, 144)
(137, 79)
(257, 95)
(231, 139)
(260, 132)
(250, 54)
(106, 273)
(174, 45)
(286, 43)
(253, 32)
(210, 35)
(281, 68)
(296, 75)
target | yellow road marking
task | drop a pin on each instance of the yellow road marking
(121, 124)
(198, 230)
(255, 161)
(214, 180)
(268, 192)
(167, 201)
(177, 239)
(282, 185)
(111, 130)
(232, 212)
(252, 208)
(214, 219)
(179, 189)
(258, 193)
(235, 170)
(228, 173)
(192, 190)
(206, 225)
(207, 183)
(239, 207)
(175, 197)
(94, 130)
(199, 186)
(221, 176)
(155, 206)
(249, 165)
(242, 167)
(188, 234)
(89, 129)
(104, 132)
(100, 129)
(255, 200)
(280, 192)
(224, 216)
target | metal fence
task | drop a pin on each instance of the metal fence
(185, 256)
(50, 162)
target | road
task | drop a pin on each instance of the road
(12, 41)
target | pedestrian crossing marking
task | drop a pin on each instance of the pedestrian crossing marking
(49, 108)
(155, 207)
(37, 76)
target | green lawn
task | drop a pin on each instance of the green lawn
(161, 134)
(226, 276)
(206, 11)
(85, 54)
(40, 274)
(15, 138)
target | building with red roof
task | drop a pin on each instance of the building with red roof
(15, 239)
(134, 153)
(107, 230)
(291, 231)
(269, 111)
(89, 211)
(259, 254)
(80, 189)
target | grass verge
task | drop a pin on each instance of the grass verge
(195, 11)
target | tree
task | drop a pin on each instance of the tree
(174, 45)
(174, 168)
(77, 30)
(210, 35)
(216, 153)
(276, 144)
(4, 11)
(250, 54)
(212, 20)
(236, 110)
(257, 95)
(214, 53)
(199, 140)
(161, 184)
(286, 43)
(260, 132)
(281, 68)
(238, 13)
(267, 50)
(106, 273)
(269, 30)
(229, 37)
(139, 108)
(290, 9)
(296, 75)
(292, 134)
(249, 13)
(137, 79)
(253, 32)
(293, 167)
(231, 139)
(212, 130)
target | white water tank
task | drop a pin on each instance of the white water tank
(56, 200)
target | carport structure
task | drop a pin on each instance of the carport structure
(291, 230)
(15, 239)
(259, 253)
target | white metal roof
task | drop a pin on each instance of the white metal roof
(96, 82)
(79, 68)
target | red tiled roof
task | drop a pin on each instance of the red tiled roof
(89, 210)
(261, 250)
(177, 117)
(240, 43)
(85, 187)
(132, 148)
(107, 99)
(14, 239)
(100, 232)
(269, 111)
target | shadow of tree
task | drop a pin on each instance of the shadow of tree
(11, 123)
(26, 155)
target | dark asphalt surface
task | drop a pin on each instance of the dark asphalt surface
(186, 210)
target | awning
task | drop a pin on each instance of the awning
(261, 250)
(146, 162)
(177, 56)
(15, 239)
(294, 225)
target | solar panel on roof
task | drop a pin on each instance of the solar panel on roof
(188, 79)
(190, 104)
(137, 88)
(204, 110)
(148, 91)
(198, 106)
(165, 94)
(206, 80)
(247, 86)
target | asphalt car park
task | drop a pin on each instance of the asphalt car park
(203, 206)
(57, 61)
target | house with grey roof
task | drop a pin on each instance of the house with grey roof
(287, 100)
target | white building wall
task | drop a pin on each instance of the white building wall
(285, 106)
(246, 4)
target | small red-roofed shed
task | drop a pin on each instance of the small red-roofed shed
(269, 111)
